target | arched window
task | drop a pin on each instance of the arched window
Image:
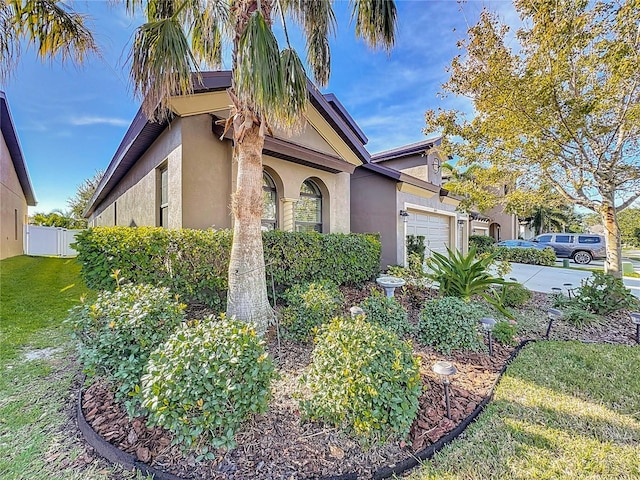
(269, 203)
(308, 210)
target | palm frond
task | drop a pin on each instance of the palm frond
(9, 43)
(161, 64)
(206, 34)
(294, 90)
(257, 76)
(318, 22)
(375, 22)
(54, 29)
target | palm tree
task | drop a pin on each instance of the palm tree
(269, 87)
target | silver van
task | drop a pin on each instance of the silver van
(581, 247)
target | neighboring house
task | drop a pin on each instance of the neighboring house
(16, 191)
(181, 174)
(398, 194)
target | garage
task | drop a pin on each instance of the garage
(436, 230)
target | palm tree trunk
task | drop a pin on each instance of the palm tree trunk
(613, 264)
(247, 295)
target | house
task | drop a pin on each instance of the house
(16, 190)
(180, 174)
(399, 193)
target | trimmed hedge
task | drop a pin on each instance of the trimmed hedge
(194, 263)
(483, 243)
(533, 256)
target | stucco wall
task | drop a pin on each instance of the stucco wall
(417, 166)
(373, 210)
(508, 223)
(206, 175)
(134, 201)
(13, 207)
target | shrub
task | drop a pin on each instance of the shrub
(414, 273)
(205, 380)
(533, 256)
(603, 294)
(119, 331)
(464, 276)
(482, 243)
(505, 332)
(515, 295)
(450, 324)
(386, 312)
(194, 263)
(364, 379)
(309, 306)
(416, 246)
(579, 317)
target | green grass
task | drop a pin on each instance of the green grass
(36, 395)
(562, 411)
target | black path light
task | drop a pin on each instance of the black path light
(635, 318)
(554, 314)
(487, 325)
(569, 287)
(556, 290)
(444, 370)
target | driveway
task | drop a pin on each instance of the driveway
(543, 279)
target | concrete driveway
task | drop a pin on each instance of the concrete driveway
(543, 279)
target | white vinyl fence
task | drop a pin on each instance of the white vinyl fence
(50, 241)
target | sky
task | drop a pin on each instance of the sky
(70, 120)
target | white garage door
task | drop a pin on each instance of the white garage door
(434, 228)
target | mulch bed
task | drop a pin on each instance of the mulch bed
(278, 445)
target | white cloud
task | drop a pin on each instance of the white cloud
(94, 120)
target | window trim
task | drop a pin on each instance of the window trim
(163, 170)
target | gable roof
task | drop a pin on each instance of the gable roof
(15, 151)
(142, 132)
(406, 150)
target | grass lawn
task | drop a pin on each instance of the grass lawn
(35, 294)
(562, 411)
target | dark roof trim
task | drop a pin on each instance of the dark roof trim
(15, 150)
(142, 133)
(339, 108)
(406, 150)
(402, 177)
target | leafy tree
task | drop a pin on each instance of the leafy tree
(562, 108)
(630, 226)
(79, 203)
(56, 218)
(269, 87)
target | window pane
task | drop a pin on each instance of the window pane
(563, 238)
(588, 239)
(309, 209)
(164, 189)
(164, 216)
(544, 238)
(308, 227)
(268, 205)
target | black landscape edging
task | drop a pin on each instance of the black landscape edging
(115, 455)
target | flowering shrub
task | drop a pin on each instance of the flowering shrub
(119, 331)
(205, 380)
(363, 378)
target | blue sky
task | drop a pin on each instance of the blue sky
(71, 120)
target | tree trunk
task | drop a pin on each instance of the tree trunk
(247, 297)
(613, 264)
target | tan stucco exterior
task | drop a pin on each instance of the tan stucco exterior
(13, 209)
(201, 176)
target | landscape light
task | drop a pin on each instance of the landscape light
(487, 325)
(554, 314)
(569, 287)
(444, 370)
(635, 318)
(356, 311)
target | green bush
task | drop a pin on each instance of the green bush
(119, 331)
(579, 317)
(515, 295)
(505, 332)
(205, 380)
(309, 306)
(386, 312)
(191, 263)
(414, 273)
(364, 379)
(416, 246)
(194, 263)
(603, 294)
(532, 256)
(482, 243)
(450, 324)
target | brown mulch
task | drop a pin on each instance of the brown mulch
(278, 445)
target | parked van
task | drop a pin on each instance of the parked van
(581, 247)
